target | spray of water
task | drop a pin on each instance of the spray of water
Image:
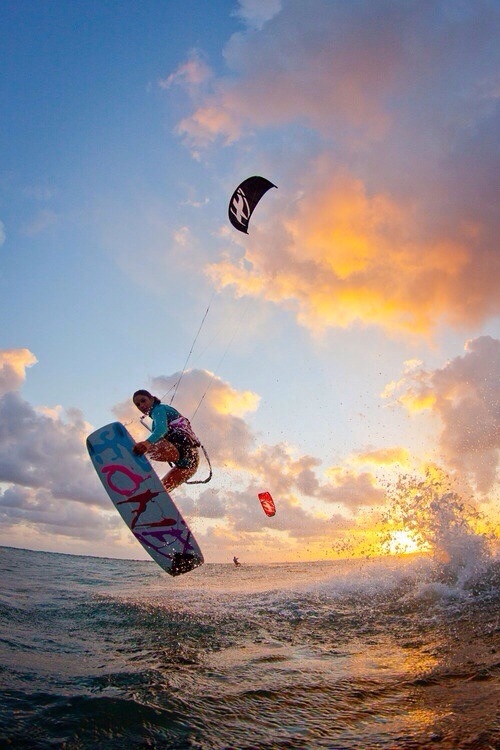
(445, 526)
(426, 515)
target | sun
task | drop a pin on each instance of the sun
(402, 543)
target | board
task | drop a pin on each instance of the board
(140, 498)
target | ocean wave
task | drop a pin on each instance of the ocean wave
(372, 653)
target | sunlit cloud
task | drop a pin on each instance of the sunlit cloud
(366, 230)
(384, 457)
(353, 490)
(190, 74)
(206, 124)
(365, 59)
(53, 412)
(233, 402)
(465, 395)
(57, 493)
(247, 464)
(182, 236)
(344, 257)
(13, 364)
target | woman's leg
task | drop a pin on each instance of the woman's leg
(164, 450)
(180, 474)
(176, 476)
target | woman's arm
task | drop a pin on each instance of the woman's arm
(160, 423)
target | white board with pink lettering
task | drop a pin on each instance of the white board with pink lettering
(140, 498)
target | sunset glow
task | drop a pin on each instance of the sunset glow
(347, 343)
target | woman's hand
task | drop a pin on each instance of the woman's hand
(141, 448)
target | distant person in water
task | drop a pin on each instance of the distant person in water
(171, 439)
(236, 561)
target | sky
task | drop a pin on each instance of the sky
(348, 344)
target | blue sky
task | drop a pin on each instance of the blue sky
(352, 336)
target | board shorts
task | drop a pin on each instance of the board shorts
(189, 458)
(182, 436)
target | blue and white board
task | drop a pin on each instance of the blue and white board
(140, 498)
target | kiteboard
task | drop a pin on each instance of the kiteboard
(140, 498)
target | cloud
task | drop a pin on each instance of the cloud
(387, 213)
(40, 452)
(246, 465)
(13, 364)
(243, 467)
(256, 13)
(384, 457)
(210, 505)
(275, 75)
(465, 395)
(366, 60)
(48, 489)
(38, 511)
(354, 490)
(44, 467)
(343, 256)
(228, 437)
(190, 75)
(2, 233)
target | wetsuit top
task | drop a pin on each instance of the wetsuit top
(162, 415)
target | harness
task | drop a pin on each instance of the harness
(182, 427)
(202, 481)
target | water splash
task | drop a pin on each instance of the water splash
(445, 526)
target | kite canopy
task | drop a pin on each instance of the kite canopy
(267, 503)
(244, 199)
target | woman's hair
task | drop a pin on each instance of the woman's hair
(142, 392)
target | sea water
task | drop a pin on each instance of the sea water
(396, 653)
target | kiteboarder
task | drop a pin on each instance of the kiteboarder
(172, 439)
(236, 562)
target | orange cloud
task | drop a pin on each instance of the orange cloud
(192, 73)
(13, 364)
(464, 394)
(385, 457)
(397, 171)
(237, 403)
(341, 255)
(416, 401)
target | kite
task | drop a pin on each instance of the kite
(267, 503)
(244, 199)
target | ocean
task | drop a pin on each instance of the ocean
(395, 652)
